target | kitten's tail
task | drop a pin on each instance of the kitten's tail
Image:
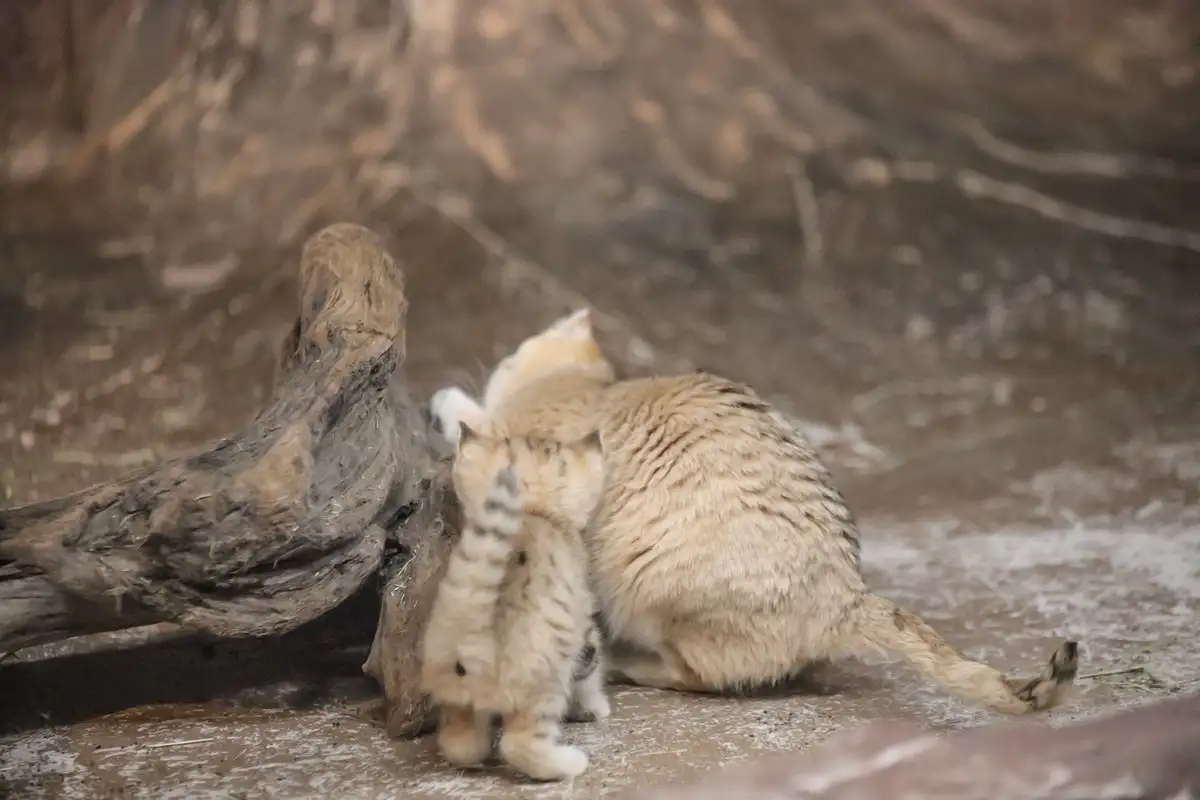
(479, 561)
(881, 624)
(461, 629)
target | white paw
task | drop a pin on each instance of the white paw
(543, 761)
(591, 707)
(448, 408)
(568, 762)
(597, 706)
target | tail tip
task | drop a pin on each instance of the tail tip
(1064, 663)
(1050, 688)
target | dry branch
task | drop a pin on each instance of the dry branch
(1149, 753)
(272, 527)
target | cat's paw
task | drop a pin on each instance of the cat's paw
(567, 762)
(555, 762)
(448, 408)
(464, 738)
(599, 707)
(593, 710)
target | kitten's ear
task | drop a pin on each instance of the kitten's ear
(577, 325)
(592, 442)
(465, 433)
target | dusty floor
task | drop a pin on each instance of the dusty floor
(1008, 390)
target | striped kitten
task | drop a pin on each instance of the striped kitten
(511, 631)
(721, 545)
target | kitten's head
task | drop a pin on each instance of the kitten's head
(561, 478)
(568, 345)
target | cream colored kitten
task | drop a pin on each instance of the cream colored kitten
(511, 630)
(721, 546)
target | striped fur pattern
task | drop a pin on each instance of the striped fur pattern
(512, 630)
(721, 546)
(588, 700)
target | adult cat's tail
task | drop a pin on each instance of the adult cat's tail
(881, 624)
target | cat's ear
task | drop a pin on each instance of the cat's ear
(592, 442)
(465, 433)
(577, 326)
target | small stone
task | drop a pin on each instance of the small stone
(27, 440)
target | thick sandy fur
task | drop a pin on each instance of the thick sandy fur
(511, 631)
(721, 544)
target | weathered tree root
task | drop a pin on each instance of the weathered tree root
(1148, 753)
(393, 660)
(272, 527)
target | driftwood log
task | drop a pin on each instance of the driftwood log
(273, 526)
(425, 544)
(269, 529)
(1149, 753)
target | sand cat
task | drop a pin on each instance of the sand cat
(721, 547)
(511, 630)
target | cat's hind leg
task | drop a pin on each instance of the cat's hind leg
(662, 670)
(589, 702)
(464, 736)
(716, 655)
(530, 742)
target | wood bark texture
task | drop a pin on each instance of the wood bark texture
(273, 526)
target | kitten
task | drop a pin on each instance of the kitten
(721, 545)
(511, 630)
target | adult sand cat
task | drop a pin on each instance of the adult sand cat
(721, 545)
(511, 630)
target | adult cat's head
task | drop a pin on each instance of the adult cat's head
(567, 346)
